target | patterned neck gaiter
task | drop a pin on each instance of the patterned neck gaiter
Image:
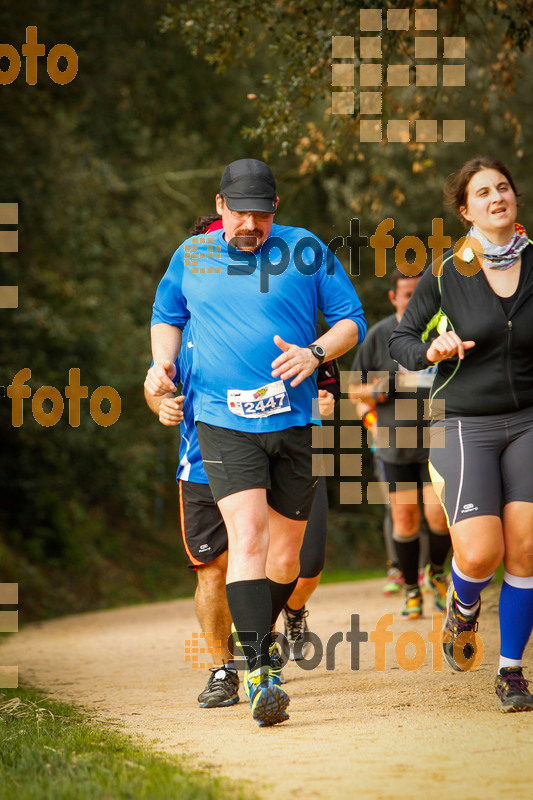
(502, 256)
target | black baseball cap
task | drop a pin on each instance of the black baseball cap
(249, 185)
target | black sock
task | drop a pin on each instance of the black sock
(407, 551)
(439, 547)
(250, 605)
(280, 593)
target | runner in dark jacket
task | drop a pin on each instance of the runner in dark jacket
(474, 318)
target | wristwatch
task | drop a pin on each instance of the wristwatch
(318, 352)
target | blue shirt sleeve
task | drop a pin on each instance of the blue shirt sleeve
(337, 298)
(170, 305)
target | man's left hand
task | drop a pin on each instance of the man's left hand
(294, 361)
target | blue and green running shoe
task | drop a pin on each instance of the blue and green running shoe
(268, 700)
(262, 687)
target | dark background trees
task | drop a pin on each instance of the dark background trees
(110, 170)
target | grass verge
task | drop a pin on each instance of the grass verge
(347, 575)
(50, 751)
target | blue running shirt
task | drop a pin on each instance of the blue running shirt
(233, 322)
(191, 466)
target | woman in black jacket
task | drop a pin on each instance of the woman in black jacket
(473, 316)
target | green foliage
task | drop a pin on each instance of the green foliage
(109, 172)
(295, 41)
(49, 751)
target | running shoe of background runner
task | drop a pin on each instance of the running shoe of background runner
(295, 632)
(222, 688)
(394, 583)
(422, 579)
(435, 582)
(455, 624)
(512, 691)
(268, 700)
(276, 661)
(412, 608)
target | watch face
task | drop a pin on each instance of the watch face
(320, 352)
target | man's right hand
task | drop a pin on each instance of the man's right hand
(159, 378)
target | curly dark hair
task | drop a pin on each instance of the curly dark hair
(203, 223)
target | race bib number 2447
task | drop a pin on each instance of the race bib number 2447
(263, 402)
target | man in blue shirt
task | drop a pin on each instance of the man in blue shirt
(206, 540)
(250, 292)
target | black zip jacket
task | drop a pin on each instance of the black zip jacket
(496, 376)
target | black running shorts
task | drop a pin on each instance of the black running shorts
(478, 464)
(313, 552)
(406, 473)
(202, 527)
(278, 461)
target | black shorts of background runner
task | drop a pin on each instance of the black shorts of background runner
(202, 527)
(278, 461)
(313, 552)
(482, 462)
(406, 473)
(205, 537)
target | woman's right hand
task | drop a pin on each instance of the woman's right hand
(447, 345)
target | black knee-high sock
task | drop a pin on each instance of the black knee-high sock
(439, 546)
(250, 605)
(408, 550)
(280, 593)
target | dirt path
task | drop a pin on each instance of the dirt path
(363, 733)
